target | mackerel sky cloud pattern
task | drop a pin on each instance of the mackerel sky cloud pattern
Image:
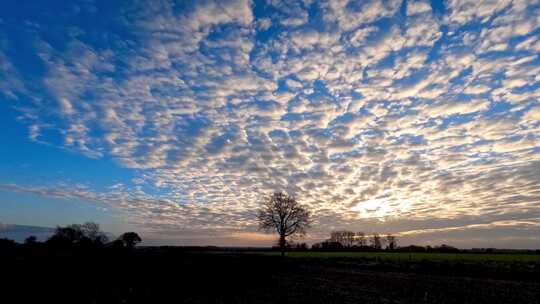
(411, 117)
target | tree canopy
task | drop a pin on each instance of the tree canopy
(283, 214)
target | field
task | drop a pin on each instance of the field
(417, 256)
(172, 275)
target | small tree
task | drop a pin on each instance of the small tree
(66, 236)
(130, 239)
(282, 213)
(87, 234)
(30, 241)
(360, 239)
(376, 241)
(344, 237)
(91, 231)
(391, 242)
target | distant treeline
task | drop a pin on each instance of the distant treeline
(85, 237)
(89, 238)
(345, 240)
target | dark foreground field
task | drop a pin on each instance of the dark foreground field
(174, 276)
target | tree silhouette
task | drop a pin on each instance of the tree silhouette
(376, 241)
(130, 239)
(87, 234)
(391, 242)
(30, 241)
(66, 236)
(282, 213)
(7, 246)
(360, 239)
(344, 237)
(91, 231)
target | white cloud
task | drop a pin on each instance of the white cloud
(355, 116)
(479, 89)
(264, 24)
(65, 106)
(418, 7)
(462, 12)
(451, 108)
(11, 83)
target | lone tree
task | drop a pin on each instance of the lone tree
(282, 213)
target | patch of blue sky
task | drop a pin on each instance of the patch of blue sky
(36, 210)
(31, 163)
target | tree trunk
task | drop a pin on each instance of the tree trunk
(282, 244)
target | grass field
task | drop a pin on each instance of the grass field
(417, 256)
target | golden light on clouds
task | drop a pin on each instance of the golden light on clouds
(390, 115)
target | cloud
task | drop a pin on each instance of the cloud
(418, 7)
(532, 114)
(367, 115)
(11, 83)
(264, 24)
(462, 12)
(457, 107)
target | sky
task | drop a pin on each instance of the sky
(176, 118)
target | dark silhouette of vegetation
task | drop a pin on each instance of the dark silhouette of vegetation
(8, 246)
(88, 271)
(327, 246)
(91, 231)
(150, 275)
(282, 213)
(344, 237)
(391, 242)
(345, 240)
(86, 235)
(292, 246)
(361, 239)
(130, 239)
(376, 241)
(30, 241)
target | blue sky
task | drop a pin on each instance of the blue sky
(176, 118)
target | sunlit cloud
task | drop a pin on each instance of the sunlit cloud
(380, 111)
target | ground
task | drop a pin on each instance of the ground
(175, 276)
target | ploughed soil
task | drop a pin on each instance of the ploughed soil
(170, 276)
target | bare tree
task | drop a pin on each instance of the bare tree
(91, 230)
(85, 234)
(344, 237)
(66, 236)
(282, 213)
(376, 241)
(361, 239)
(391, 242)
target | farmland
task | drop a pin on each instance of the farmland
(163, 275)
(417, 256)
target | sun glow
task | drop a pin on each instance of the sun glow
(378, 208)
(381, 208)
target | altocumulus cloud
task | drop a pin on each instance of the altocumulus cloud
(405, 117)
